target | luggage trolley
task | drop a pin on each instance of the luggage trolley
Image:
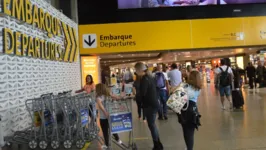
(120, 121)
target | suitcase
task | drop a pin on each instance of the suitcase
(238, 100)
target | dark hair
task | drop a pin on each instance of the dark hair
(194, 80)
(188, 67)
(91, 79)
(174, 66)
(222, 61)
(216, 66)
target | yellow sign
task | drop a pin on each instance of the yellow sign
(172, 35)
(21, 44)
(90, 66)
(113, 81)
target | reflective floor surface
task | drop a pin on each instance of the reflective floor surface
(243, 129)
(221, 130)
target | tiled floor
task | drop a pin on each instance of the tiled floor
(221, 130)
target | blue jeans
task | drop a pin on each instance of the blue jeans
(163, 97)
(150, 114)
(225, 91)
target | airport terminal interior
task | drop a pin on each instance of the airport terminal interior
(73, 72)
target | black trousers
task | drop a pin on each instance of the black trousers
(188, 132)
(105, 128)
(140, 110)
(251, 82)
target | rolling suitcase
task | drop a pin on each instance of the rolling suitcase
(237, 97)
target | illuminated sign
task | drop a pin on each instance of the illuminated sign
(90, 66)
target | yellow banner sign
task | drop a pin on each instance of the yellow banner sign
(172, 35)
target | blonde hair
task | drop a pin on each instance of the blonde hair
(102, 90)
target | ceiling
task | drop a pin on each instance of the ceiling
(128, 59)
(116, 59)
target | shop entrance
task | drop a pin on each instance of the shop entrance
(203, 60)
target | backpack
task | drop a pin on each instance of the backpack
(160, 80)
(225, 78)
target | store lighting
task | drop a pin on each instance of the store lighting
(215, 62)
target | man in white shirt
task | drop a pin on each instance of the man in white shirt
(174, 76)
(225, 78)
(162, 85)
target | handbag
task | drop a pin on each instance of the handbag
(179, 98)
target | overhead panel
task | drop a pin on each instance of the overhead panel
(172, 35)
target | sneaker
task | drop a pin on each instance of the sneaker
(144, 121)
(165, 118)
(223, 107)
(104, 147)
(231, 106)
(120, 142)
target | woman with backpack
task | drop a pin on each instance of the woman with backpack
(189, 118)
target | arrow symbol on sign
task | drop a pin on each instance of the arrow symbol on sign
(89, 41)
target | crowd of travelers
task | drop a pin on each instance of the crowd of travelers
(152, 89)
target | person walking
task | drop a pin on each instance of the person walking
(264, 75)
(162, 86)
(149, 99)
(175, 77)
(136, 92)
(189, 119)
(225, 76)
(251, 73)
(259, 73)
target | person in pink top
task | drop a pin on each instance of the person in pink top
(89, 86)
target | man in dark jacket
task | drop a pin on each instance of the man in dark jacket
(259, 73)
(251, 73)
(150, 103)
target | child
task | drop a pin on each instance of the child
(102, 95)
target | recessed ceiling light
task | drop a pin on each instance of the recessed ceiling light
(221, 50)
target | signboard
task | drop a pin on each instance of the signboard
(172, 35)
(121, 123)
(44, 33)
(90, 66)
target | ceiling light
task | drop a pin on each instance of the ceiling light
(221, 50)
(187, 56)
(160, 59)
